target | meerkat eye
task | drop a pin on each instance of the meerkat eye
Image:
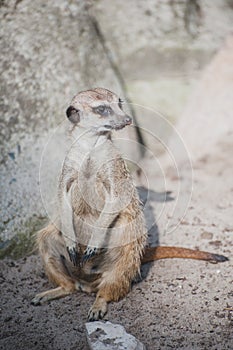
(120, 103)
(103, 110)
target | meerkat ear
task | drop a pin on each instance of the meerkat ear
(73, 115)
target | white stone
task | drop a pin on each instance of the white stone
(109, 336)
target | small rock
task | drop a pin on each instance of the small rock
(216, 243)
(196, 220)
(109, 336)
(12, 155)
(207, 235)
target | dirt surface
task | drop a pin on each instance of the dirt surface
(178, 304)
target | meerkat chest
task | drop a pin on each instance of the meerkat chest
(94, 181)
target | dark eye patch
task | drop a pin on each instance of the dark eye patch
(103, 110)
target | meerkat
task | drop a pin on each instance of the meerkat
(98, 242)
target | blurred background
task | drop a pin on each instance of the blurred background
(171, 57)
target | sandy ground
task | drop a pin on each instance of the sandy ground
(178, 304)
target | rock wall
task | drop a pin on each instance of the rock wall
(153, 36)
(162, 47)
(207, 118)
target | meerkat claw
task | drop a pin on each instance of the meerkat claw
(73, 255)
(88, 254)
(98, 310)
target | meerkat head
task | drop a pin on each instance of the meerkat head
(99, 110)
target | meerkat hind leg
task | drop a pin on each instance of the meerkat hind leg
(54, 255)
(51, 294)
(56, 273)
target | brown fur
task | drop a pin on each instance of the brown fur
(100, 224)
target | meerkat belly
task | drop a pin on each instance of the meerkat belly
(87, 205)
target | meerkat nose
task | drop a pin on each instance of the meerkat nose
(128, 120)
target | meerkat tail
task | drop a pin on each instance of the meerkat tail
(156, 253)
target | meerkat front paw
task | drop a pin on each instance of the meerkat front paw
(98, 310)
(73, 255)
(88, 254)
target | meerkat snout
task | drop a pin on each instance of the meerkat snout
(120, 123)
(128, 120)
